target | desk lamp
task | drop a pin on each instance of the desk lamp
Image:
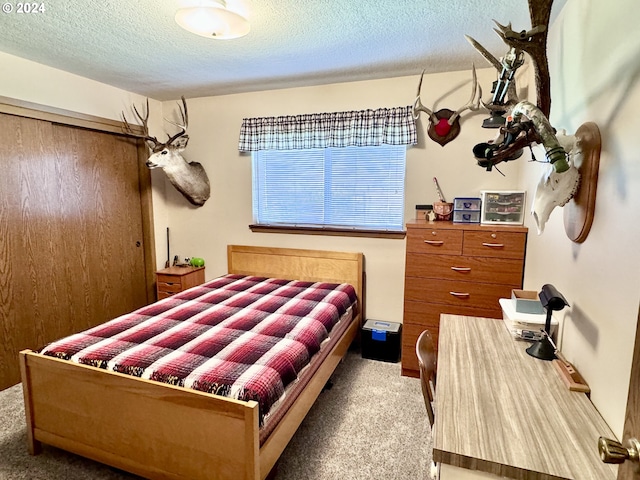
(552, 300)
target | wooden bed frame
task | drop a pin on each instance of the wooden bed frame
(161, 431)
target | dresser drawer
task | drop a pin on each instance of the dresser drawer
(162, 294)
(428, 240)
(424, 316)
(431, 290)
(494, 244)
(469, 269)
(169, 287)
(169, 279)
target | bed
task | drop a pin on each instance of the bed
(159, 430)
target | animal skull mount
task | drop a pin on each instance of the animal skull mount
(554, 190)
(444, 125)
(583, 150)
(527, 124)
(570, 178)
(189, 178)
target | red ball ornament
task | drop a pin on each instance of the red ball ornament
(442, 128)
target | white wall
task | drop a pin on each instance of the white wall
(214, 126)
(33, 82)
(594, 56)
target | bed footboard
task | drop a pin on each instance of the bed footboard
(144, 427)
(160, 431)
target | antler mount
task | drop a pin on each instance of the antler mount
(444, 125)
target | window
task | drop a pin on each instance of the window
(339, 173)
(344, 188)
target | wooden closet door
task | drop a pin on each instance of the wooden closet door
(71, 233)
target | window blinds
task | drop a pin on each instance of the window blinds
(352, 187)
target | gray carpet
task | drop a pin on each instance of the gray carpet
(370, 425)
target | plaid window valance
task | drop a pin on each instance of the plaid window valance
(391, 126)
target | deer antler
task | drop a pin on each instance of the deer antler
(145, 127)
(534, 42)
(444, 125)
(419, 107)
(498, 65)
(472, 104)
(184, 115)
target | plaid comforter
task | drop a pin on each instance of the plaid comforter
(238, 336)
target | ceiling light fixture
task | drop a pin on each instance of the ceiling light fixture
(213, 20)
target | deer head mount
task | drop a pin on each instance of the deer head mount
(444, 125)
(189, 178)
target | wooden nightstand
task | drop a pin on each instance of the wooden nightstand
(172, 280)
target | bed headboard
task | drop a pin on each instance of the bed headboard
(299, 264)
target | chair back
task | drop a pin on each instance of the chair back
(426, 353)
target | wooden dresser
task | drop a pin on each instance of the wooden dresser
(172, 280)
(456, 268)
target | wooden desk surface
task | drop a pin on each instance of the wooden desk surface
(502, 411)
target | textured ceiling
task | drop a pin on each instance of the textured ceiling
(136, 45)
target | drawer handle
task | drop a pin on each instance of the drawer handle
(434, 242)
(459, 294)
(493, 245)
(461, 269)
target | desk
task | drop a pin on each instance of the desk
(500, 411)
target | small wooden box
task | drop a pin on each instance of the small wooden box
(423, 211)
